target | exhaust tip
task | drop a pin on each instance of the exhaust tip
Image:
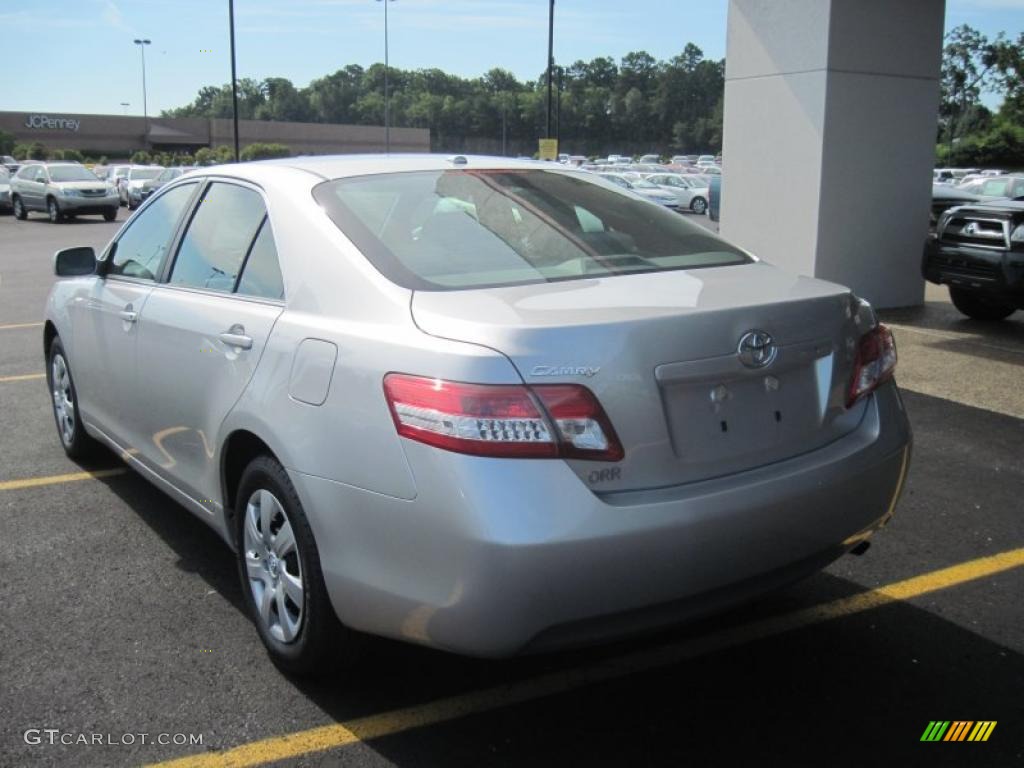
(861, 548)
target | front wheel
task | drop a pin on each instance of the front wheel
(978, 306)
(698, 205)
(77, 444)
(19, 209)
(110, 214)
(53, 211)
(282, 583)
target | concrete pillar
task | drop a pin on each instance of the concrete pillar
(829, 139)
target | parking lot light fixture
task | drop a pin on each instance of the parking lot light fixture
(142, 43)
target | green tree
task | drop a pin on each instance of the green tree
(141, 157)
(205, 156)
(224, 154)
(6, 143)
(36, 151)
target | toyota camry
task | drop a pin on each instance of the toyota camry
(484, 405)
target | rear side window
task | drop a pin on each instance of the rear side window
(460, 229)
(141, 248)
(261, 275)
(218, 238)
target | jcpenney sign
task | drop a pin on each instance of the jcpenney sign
(45, 121)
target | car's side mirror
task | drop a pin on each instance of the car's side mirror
(74, 262)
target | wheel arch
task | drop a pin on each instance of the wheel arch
(240, 447)
(49, 334)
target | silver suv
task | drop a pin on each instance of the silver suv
(61, 190)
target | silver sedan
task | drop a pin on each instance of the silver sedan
(479, 404)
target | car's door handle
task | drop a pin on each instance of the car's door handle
(128, 315)
(239, 340)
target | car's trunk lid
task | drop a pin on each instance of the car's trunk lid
(659, 350)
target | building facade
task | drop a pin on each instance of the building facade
(119, 136)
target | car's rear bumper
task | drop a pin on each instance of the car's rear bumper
(496, 556)
(994, 271)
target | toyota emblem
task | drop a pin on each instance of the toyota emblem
(757, 349)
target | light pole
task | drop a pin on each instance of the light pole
(145, 106)
(551, 59)
(125, 105)
(234, 78)
(387, 97)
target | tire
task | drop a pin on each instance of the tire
(309, 639)
(64, 399)
(699, 205)
(979, 307)
(19, 209)
(53, 211)
(110, 215)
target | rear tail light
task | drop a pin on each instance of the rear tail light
(875, 363)
(542, 422)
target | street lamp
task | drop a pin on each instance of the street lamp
(234, 77)
(145, 107)
(387, 98)
(551, 60)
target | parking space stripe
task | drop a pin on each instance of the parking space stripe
(22, 377)
(477, 702)
(13, 326)
(35, 482)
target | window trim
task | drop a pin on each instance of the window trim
(205, 182)
(172, 243)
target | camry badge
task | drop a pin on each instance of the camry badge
(564, 370)
(757, 349)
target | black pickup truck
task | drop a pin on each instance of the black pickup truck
(978, 251)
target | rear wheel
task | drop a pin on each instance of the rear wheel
(19, 208)
(282, 583)
(698, 205)
(110, 214)
(77, 444)
(978, 306)
(53, 210)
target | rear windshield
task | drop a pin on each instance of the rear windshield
(460, 229)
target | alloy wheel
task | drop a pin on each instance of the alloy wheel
(273, 566)
(63, 399)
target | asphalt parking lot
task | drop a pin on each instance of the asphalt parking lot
(122, 613)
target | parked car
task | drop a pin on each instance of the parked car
(5, 189)
(688, 193)
(996, 187)
(643, 188)
(978, 252)
(705, 160)
(9, 163)
(61, 190)
(944, 197)
(138, 195)
(487, 406)
(132, 180)
(653, 159)
(714, 197)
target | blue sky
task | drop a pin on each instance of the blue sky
(90, 64)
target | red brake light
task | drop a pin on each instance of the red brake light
(547, 421)
(875, 363)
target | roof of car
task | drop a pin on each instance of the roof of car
(340, 166)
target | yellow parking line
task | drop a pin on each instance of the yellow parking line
(22, 377)
(13, 326)
(35, 482)
(442, 710)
